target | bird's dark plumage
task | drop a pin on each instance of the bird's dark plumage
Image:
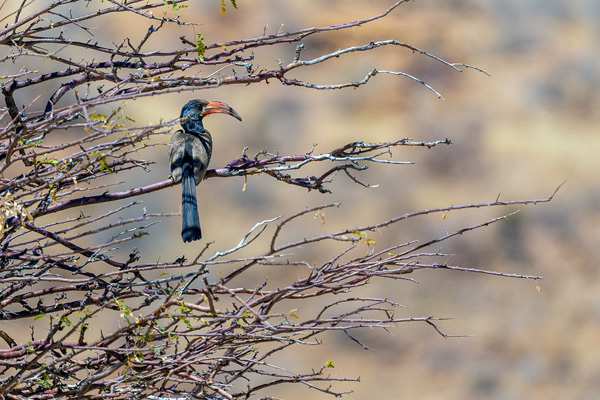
(189, 156)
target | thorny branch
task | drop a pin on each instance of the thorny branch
(176, 335)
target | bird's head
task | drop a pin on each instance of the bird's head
(193, 112)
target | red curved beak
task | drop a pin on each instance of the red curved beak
(213, 107)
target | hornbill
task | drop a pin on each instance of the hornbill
(189, 156)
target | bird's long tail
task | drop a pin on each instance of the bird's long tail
(190, 221)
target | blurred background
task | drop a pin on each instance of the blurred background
(518, 133)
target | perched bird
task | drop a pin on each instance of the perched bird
(189, 156)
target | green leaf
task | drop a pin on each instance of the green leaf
(184, 310)
(187, 322)
(53, 190)
(98, 117)
(45, 381)
(200, 47)
(329, 364)
(223, 8)
(29, 143)
(102, 161)
(174, 5)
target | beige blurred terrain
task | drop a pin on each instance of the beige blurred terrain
(518, 133)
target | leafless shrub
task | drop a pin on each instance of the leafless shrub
(176, 337)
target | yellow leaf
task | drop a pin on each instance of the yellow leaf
(98, 117)
(53, 191)
(320, 213)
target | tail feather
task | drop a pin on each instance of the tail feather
(190, 221)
